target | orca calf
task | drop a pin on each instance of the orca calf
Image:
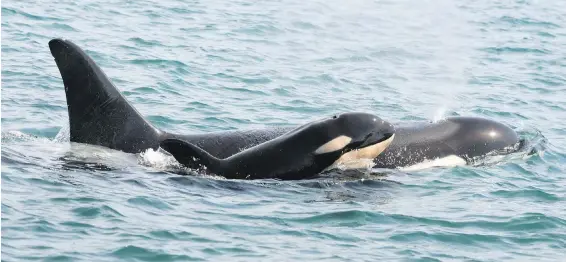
(100, 115)
(300, 153)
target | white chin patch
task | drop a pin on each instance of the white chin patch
(334, 145)
(362, 158)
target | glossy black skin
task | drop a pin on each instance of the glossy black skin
(465, 137)
(100, 115)
(292, 155)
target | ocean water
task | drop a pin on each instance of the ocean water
(201, 66)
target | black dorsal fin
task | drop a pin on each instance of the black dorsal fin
(98, 113)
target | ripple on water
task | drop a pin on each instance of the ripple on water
(149, 202)
(158, 63)
(531, 194)
(94, 212)
(13, 11)
(147, 254)
(343, 217)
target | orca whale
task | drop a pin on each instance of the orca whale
(100, 115)
(300, 153)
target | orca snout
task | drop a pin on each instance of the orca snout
(368, 130)
(379, 135)
(375, 135)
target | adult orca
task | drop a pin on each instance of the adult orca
(100, 115)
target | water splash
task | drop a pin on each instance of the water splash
(15, 135)
(64, 134)
(440, 114)
(157, 159)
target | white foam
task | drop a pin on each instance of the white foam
(440, 114)
(64, 135)
(363, 163)
(14, 134)
(157, 159)
(98, 154)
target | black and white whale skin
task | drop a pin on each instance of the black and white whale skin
(300, 153)
(100, 115)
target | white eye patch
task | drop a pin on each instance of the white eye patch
(334, 145)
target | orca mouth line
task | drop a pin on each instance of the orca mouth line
(385, 137)
(370, 140)
(363, 156)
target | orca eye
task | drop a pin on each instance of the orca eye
(335, 117)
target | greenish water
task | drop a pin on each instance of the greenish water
(193, 66)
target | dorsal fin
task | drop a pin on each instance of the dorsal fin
(98, 113)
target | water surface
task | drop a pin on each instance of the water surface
(193, 66)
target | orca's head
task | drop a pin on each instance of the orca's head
(354, 136)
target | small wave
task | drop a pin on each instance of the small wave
(96, 211)
(143, 42)
(15, 136)
(62, 26)
(528, 194)
(341, 217)
(145, 254)
(521, 50)
(10, 11)
(160, 63)
(528, 22)
(145, 202)
(448, 237)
